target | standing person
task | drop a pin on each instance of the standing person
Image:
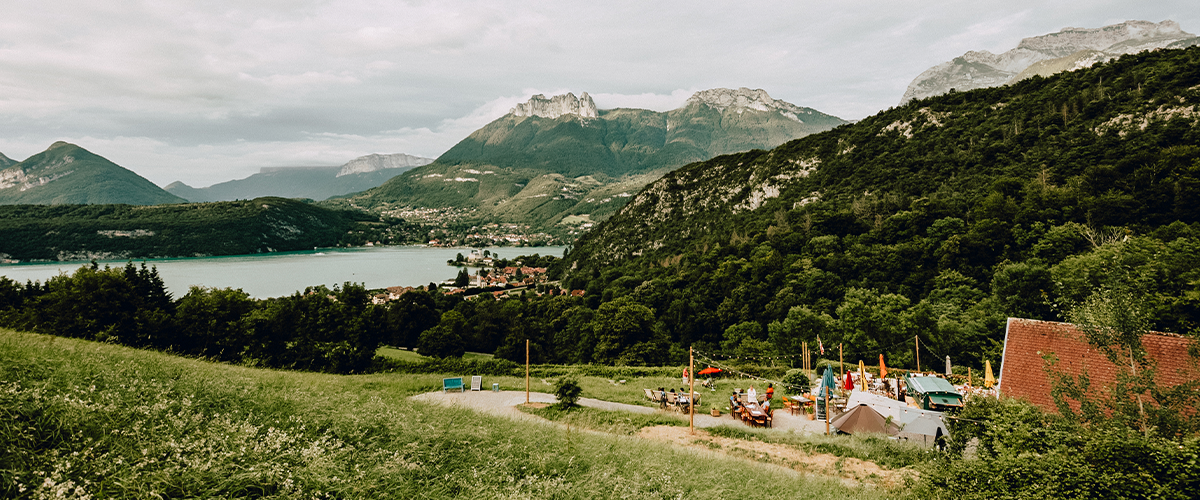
(752, 395)
(685, 376)
(770, 391)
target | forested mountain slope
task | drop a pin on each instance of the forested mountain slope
(66, 173)
(938, 218)
(82, 232)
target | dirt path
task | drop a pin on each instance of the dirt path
(852, 471)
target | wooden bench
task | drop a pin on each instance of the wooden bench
(453, 383)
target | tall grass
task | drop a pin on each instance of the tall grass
(88, 420)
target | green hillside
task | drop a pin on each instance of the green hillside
(537, 170)
(66, 174)
(93, 420)
(937, 219)
(82, 232)
(6, 162)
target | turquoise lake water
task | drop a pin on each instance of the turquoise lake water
(279, 274)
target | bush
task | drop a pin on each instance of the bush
(567, 391)
(797, 380)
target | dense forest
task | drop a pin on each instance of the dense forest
(937, 219)
(270, 224)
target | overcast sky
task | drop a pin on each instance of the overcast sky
(205, 91)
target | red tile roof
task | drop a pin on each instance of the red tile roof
(1023, 374)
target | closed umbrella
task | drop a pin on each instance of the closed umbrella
(882, 368)
(827, 383)
(988, 379)
(848, 383)
(862, 375)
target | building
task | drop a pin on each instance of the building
(1023, 370)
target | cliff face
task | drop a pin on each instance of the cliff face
(743, 99)
(1068, 49)
(559, 105)
(375, 162)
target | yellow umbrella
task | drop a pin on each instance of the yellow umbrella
(862, 376)
(882, 368)
(988, 379)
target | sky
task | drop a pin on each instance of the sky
(204, 91)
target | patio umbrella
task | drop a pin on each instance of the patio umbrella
(849, 382)
(863, 418)
(882, 368)
(708, 371)
(862, 375)
(988, 379)
(827, 383)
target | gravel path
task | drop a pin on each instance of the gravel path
(505, 402)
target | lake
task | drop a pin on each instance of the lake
(282, 273)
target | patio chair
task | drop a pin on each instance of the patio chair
(476, 383)
(672, 399)
(650, 395)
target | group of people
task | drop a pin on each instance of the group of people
(735, 400)
(683, 397)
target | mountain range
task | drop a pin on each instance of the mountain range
(65, 173)
(550, 158)
(1067, 49)
(317, 183)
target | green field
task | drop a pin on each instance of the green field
(81, 419)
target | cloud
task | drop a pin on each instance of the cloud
(210, 90)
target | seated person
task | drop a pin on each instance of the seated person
(734, 404)
(765, 406)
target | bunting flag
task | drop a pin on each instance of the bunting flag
(819, 344)
(882, 368)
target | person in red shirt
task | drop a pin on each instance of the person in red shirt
(770, 392)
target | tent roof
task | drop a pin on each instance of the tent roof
(863, 418)
(928, 384)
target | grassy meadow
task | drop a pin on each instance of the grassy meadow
(82, 419)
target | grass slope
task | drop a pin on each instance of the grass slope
(81, 419)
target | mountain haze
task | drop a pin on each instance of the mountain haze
(316, 183)
(1066, 50)
(66, 173)
(553, 157)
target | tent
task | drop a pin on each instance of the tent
(862, 418)
(925, 429)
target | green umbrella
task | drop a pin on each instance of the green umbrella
(827, 383)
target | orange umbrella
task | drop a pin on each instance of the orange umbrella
(882, 368)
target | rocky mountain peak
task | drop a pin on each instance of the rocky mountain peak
(559, 105)
(742, 99)
(1066, 50)
(374, 162)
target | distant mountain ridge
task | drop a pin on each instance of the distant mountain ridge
(551, 158)
(1067, 49)
(68, 174)
(318, 183)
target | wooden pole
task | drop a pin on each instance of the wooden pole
(691, 391)
(526, 371)
(917, 343)
(842, 361)
(826, 390)
(969, 382)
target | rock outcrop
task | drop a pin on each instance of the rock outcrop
(1066, 50)
(559, 105)
(376, 162)
(743, 99)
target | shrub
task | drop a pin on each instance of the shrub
(567, 390)
(797, 380)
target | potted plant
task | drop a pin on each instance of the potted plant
(808, 412)
(715, 412)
